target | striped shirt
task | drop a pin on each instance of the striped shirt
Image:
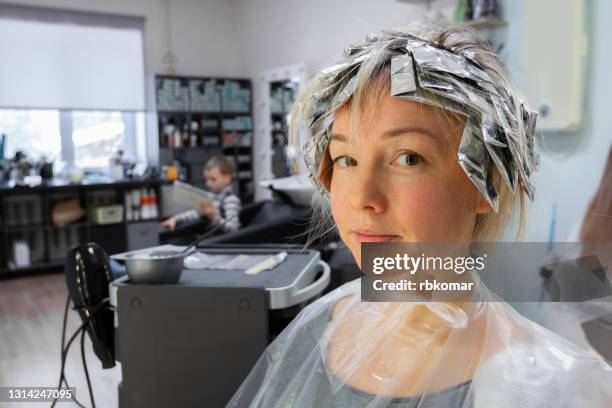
(226, 204)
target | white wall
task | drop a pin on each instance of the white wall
(571, 163)
(203, 32)
(284, 32)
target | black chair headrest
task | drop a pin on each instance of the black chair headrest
(88, 274)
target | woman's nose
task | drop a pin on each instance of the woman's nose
(367, 191)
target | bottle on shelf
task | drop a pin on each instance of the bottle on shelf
(185, 135)
(176, 138)
(153, 203)
(128, 206)
(144, 205)
(136, 204)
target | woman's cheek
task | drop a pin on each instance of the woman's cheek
(338, 203)
(424, 209)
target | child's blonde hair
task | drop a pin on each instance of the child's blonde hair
(225, 165)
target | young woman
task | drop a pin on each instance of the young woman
(419, 137)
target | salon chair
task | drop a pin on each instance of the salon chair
(342, 264)
(88, 274)
(267, 221)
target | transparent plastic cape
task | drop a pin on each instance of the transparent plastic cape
(569, 319)
(342, 352)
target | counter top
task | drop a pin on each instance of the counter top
(65, 185)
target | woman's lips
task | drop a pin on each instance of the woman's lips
(371, 236)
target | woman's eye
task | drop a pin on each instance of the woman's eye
(345, 161)
(409, 159)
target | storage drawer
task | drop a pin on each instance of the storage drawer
(142, 235)
(62, 239)
(35, 241)
(22, 210)
(107, 214)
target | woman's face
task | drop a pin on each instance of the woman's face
(397, 178)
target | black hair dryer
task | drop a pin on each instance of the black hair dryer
(88, 274)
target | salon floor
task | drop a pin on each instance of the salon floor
(31, 312)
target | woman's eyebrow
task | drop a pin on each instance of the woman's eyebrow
(339, 137)
(408, 129)
(392, 133)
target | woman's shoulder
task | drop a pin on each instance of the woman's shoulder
(330, 306)
(340, 306)
(298, 346)
(316, 315)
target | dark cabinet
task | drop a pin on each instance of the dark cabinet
(31, 239)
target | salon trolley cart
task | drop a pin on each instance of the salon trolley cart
(192, 343)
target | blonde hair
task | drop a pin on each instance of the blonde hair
(372, 81)
(225, 165)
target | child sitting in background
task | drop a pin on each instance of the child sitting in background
(218, 173)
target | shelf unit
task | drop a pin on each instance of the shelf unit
(282, 96)
(199, 117)
(25, 215)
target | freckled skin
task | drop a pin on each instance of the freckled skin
(374, 186)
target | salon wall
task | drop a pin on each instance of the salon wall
(284, 32)
(571, 163)
(203, 34)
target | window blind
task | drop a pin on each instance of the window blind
(57, 59)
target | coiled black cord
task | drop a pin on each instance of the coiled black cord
(64, 349)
